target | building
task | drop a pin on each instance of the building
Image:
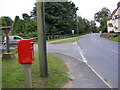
(113, 23)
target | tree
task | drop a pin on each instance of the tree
(59, 17)
(26, 27)
(30, 28)
(101, 17)
(93, 26)
(8, 20)
(104, 24)
(18, 25)
(25, 16)
(87, 28)
(3, 23)
(81, 24)
(34, 13)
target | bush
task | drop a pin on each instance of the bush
(112, 31)
(21, 34)
(116, 35)
(32, 34)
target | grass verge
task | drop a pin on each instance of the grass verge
(0, 72)
(66, 40)
(13, 75)
(66, 37)
(111, 36)
(116, 39)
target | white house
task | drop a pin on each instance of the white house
(113, 23)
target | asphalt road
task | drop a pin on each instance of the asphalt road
(102, 55)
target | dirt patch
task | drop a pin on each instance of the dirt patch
(70, 75)
(108, 35)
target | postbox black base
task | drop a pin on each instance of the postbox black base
(26, 63)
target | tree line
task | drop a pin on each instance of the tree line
(60, 18)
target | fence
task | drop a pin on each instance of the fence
(54, 37)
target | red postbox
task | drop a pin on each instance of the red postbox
(26, 51)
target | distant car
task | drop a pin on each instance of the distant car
(13, 40)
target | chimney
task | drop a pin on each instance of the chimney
(118, 5)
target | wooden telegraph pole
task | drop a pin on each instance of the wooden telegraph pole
(42, 39)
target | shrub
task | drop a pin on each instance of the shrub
(112, 31)
(21, 34)
(32, 34)
(116, 35)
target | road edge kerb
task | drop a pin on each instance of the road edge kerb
(86, 64)
(95, 71)
(50, 42)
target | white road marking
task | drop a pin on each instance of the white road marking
(85, 61)
(81, 53)
(99, 43)
(99, 76)
(112, 50)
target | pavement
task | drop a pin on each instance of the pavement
(81, 73)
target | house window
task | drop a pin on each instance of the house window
(110, 25)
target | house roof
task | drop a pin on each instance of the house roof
(118, 5)
(113, 13)
(110, 17)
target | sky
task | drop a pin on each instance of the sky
(87, 8)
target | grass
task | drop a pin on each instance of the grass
(117, 39)
(67, 40)
(111, 36)
(13, 75)
(0, 72)
(65, 37)
(56, 41)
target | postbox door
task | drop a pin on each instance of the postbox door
(26, 51)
